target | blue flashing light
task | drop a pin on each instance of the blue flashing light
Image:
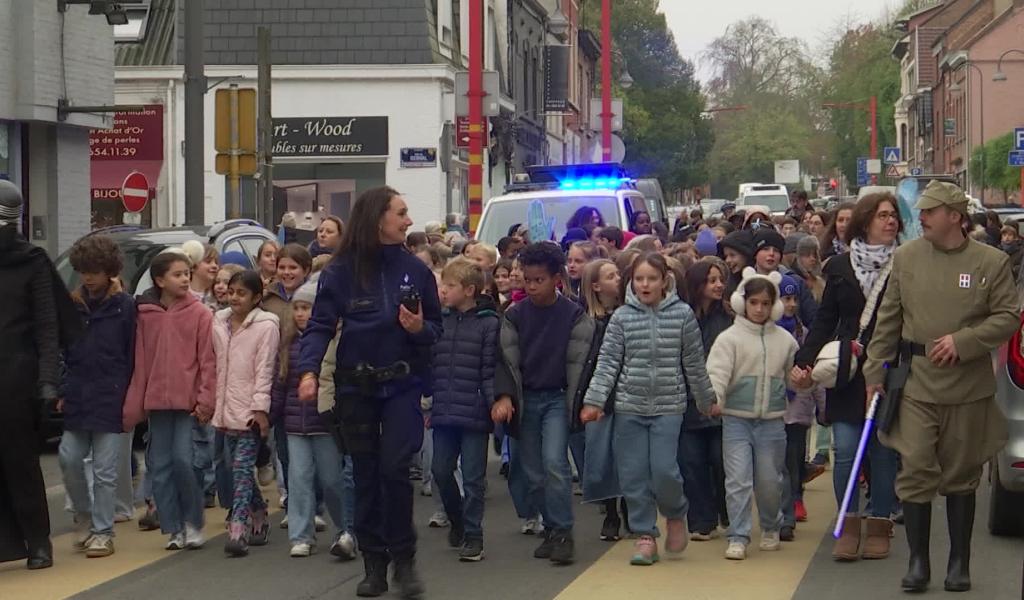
(598, 183)
(568, 185)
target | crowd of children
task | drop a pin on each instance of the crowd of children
(645, 368)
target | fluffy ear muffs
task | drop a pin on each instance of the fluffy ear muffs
(739, 297)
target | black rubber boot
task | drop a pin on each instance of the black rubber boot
(376, 581)
(408, 580)
(40, 554)
(960, 518)
(918, 523)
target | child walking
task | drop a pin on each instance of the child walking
(748, 366)
(464, 361)
(99, 367)
(651, 354)
(245, 340)
(174, 380)
(313, 454)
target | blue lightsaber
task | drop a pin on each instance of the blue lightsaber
(851, 484)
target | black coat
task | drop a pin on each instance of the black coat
(839, 318)
(711, 326)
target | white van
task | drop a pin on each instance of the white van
(563, 190)
(774, 196)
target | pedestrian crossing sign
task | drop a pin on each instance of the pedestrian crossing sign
(891, 155)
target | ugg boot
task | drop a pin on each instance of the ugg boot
(375, 583)
(918, 523)
(876, 538)
(847, 547)
(960, 518)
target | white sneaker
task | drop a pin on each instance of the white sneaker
(83, 533)
(99, 546)
(736, 551)
(284, 522)
(344, 547)
(769, 541)
(302, 550)
(533, 526)
(319, 524)
(427, 489)
(176, 542)
(282, 500)
(266, 475)
(193, 537)
(439, 520)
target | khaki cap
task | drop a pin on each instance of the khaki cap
(939, 193)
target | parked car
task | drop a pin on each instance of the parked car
(1006, 471)
(140, 245)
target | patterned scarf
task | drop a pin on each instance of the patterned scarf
(867, 261)
(839, 247)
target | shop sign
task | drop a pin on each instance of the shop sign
(419, 157)
(136, 135)
(330, 136)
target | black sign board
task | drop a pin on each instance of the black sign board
(556, 78)
(330, 136)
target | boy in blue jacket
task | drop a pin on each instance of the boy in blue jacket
(464, 362)
(99, 367)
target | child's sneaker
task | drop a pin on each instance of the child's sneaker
(736, 551)
(301, 550)
(319, 524)
(344, 547)
(769, 541)
(439, 520)
(704, 536)
(236, 544)
(151, 520)
(544, 550)
(266, 474)
(677, 537)
(534, 526)
(99, 546)
(645, 551)
(193, 537)
(176, 541)
(563, 549)
(472, 550)
(83, 533)
(787, 533)
(427, 489)
(284, 522)
(800, 511)
(260, 532)
(812, 471)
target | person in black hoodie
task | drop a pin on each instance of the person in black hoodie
(37, 319)
(700, 442)
(738, 251)
(392, 314)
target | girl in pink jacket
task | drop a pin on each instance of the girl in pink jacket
(174, 379)
(245, 339)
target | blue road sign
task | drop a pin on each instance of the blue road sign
(891, 155)
(863, 178)
(1018, 138)
(916, 171)
(1016, 158)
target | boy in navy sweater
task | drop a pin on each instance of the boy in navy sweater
(464, 361)
(545, 341)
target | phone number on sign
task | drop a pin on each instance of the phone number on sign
(113, 151)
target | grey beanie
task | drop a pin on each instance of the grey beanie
(306, 293)
(11, 203)
(808, 246)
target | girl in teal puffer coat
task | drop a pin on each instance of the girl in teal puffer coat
(651, 355)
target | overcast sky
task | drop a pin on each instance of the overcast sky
(696, 23)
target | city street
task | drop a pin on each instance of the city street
(803, 570)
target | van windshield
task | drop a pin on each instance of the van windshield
(501, 216)
(775, 202)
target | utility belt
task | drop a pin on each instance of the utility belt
(896, 377)
(366, 378)
(356, 415)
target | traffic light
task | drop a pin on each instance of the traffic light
(832, 184)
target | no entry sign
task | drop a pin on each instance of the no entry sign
(135, 192)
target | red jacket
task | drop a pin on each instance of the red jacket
(175, 368)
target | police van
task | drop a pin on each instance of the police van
(562, 190)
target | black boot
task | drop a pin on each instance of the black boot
(960, 518)
(376, 581)
(918, 523)
(407, 579)
(40, 554)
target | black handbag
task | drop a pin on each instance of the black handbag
(895, 382)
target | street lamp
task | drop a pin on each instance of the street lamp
(558, 24)
(956, 87)
(999, 75)
(626, 81)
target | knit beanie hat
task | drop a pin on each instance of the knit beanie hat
(789, 286)
(576, 234)
(10, 203)
(808, 246)
(741, 241)
(305, 293)
(739, 297)
(235, 258)
(768, 238)
(706, 244)
(792, 241)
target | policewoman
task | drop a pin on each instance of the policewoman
(950, 302)
(387, 300)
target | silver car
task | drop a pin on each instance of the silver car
(1006, 473)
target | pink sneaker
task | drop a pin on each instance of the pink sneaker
(645, 551)
(677, 537)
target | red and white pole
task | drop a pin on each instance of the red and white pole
(606, 80)
(476, 128)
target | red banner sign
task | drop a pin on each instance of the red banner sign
(136, 135)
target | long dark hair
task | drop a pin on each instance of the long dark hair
(360, 242)
(696, 279)
(830, 232)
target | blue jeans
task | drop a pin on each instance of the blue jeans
(449, 444)
(544, 452)
(527, 504)
(314, 458)
(883, 468)
(169, 455)
(203, 458)
(106, 458)
(793, 474)
(700, 460)
(647, 460)
(754, 451)
(578, 451)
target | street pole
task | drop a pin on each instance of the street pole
(606, 80)
(476, 96)
(873, 110)
(195, 92)
(235, 200)
(265, 186)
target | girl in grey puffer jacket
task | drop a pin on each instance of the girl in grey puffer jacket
(652, 354)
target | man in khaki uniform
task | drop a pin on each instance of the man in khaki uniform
(950, 302)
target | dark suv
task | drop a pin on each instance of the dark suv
(140, 245)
